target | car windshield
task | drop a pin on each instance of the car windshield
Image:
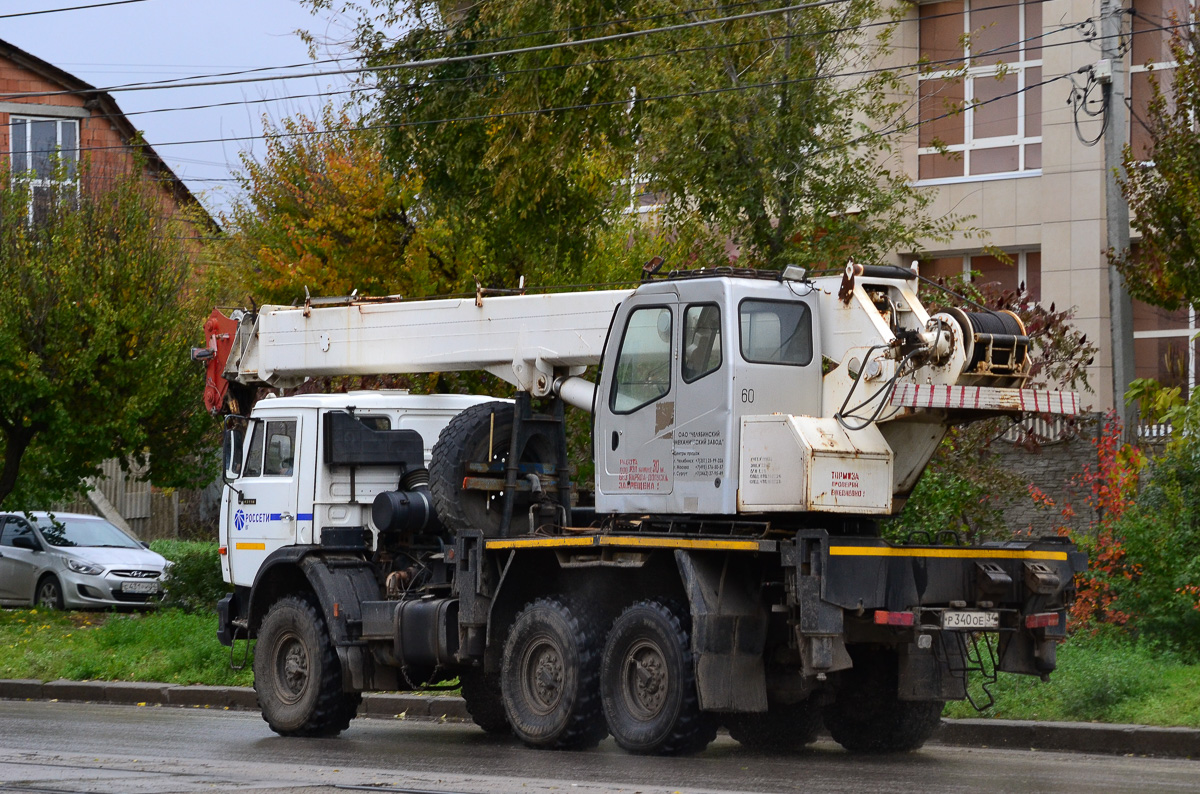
(66, 531)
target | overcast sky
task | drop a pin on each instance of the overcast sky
(164, 39)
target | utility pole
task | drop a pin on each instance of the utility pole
(1115, 206)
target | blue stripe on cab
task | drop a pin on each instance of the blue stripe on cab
(304, 516)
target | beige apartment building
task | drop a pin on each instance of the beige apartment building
(1017, 164)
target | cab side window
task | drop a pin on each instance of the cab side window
(280, 455)
(272, 450)
(643, 373)
(701, 341)
(776, 332)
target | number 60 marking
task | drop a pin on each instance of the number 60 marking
(747, 395)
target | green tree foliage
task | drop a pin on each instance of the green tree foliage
(1164, 194)
(752, 130)
(327, 213)
(94, 338)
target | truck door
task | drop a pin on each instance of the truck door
(703, 424)
(636, 419)
(265, 517)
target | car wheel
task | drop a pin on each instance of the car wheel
(49, 593)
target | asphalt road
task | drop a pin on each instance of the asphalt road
(56, 748)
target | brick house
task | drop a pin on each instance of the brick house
(37, 120)
(47, 114)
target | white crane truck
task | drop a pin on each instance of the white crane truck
(750, 430)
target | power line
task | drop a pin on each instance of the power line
(69, 8)
(442, 61)
(642, 56)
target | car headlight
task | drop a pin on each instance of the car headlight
(84, 567)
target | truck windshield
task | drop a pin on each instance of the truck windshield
(73, 531)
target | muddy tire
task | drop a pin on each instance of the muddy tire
(648, 682)
(783, 728)
(484, 701)
(480, 434)
(550, 676)
(297, 675)
(867, 716)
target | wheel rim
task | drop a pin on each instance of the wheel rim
(291, 668)
(645, 680)
(543, 672)
(48, 595)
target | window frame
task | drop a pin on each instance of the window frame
(28, 176)
(1019, 68)
(1021, 261)
(616, 379)
(808, 315)
(720, 342)
(262, 429)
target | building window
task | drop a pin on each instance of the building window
(1150, 52)
(45, 154)
(1163, 348)
(999, 128)
(1026, 268)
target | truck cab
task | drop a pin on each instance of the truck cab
(284, 492)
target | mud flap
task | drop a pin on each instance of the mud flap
(729, 631)
(934, 673)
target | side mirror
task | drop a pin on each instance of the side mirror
(26, 542)
(145, 544)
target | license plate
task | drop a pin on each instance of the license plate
(971, 620)
(139, 587)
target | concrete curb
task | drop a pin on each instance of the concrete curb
(1078, 737)
(1008, 734)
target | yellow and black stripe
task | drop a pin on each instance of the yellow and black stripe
(633, 541)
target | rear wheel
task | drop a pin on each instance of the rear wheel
(49, 593)
(297, 675)
(648, 683)
(783, 728)
(480, 434)
(867, 716)
(550, 675)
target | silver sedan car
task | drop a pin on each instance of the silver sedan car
(73, 561)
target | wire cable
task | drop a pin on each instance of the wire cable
(69, 8)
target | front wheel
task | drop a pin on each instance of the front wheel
(867, 716)
(49, 593)
(648, 683)
(297, 675)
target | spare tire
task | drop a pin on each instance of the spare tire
(466, 439)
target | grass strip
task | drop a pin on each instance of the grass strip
(1108, 679)
(170, 646)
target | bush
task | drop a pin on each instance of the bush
(1161, 537)
(194, 582)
